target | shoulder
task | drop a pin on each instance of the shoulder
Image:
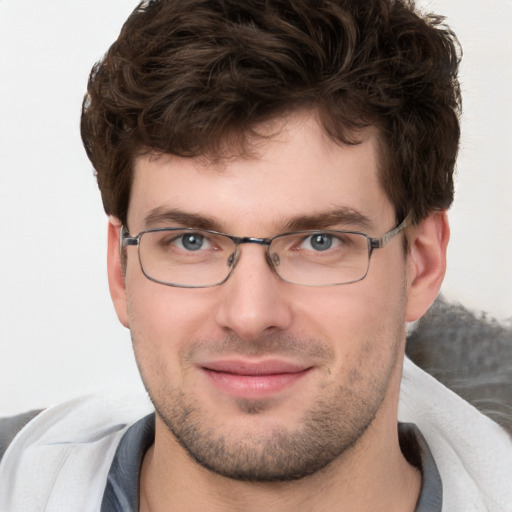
(472, 452)
(72, 442)
(470, 356)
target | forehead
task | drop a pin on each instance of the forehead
(294, 169)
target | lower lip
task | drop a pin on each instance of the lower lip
(254, 386)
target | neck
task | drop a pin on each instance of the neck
(359, 480)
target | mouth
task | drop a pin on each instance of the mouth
(254, 379)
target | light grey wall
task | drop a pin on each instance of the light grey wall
(59, 336)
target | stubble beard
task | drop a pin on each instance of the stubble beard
(279, 455)
(335, 423)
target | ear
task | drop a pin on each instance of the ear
(115, 271)
(426, 263)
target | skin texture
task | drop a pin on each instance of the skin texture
(329, 432)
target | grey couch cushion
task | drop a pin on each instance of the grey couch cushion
(469, 353)
(10, 426)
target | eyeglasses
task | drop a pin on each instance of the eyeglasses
(200, 258)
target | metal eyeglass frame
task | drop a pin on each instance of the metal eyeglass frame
(126, 240)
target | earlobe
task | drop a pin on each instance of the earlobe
(426, 263)
(116, 272)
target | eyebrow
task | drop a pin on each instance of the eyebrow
(348, 217)
(162, 216)
(345, 216)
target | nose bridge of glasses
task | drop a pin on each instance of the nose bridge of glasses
(235, 256)
(252, 240)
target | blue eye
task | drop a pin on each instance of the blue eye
(321, 241)
(192, 241)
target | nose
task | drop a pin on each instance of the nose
(254, 300)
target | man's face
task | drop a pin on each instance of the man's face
(257, 378)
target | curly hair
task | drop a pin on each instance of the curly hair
(196, 77)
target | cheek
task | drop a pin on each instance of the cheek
(351, 310)
(361, 320)
(162, 319)
(162, 324)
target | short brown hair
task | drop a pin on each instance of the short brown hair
(192, 77)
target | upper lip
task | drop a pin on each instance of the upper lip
(254, 368)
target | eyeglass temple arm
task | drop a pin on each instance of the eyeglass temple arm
(378, 243)
(125, 239)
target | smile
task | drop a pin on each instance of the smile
(243, 379)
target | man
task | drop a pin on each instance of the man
(276, 175)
